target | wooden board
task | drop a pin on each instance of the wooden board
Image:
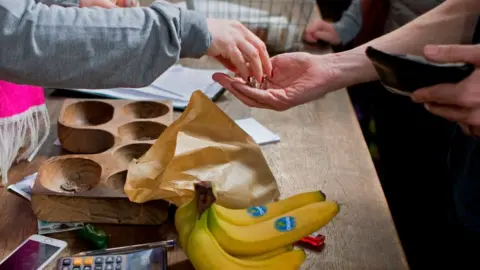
(102, 138)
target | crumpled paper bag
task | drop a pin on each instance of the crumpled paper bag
(203, 144)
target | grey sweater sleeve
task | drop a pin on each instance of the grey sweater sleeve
(351, 22)
(63, 3)
(92, 48)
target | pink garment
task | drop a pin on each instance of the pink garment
(24, 124)
(16, 99)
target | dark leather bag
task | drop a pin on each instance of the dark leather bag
(374, 16)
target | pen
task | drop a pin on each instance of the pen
(168, 243)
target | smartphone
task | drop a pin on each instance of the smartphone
(35, 253)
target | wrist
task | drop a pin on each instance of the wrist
(348, 68)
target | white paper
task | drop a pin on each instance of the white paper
(24, 186)
(257, 131)
(180, 82)
(176, 84)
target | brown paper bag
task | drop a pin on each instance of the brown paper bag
(203, 144)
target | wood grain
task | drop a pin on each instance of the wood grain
(321, 148)
(103, 136)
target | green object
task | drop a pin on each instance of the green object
(97, 237)
(372, 127)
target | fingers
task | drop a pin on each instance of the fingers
(251, 53)
(227, 81)
(258, 54)
(310, 30)
(325, 36)
(453, 53)
(262, 96)
(443, 94)
(237, 59)
(309, 38)
(104, 4)
(455, 114)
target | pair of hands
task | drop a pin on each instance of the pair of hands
(321, 30)
(459, 102)
(298, 78)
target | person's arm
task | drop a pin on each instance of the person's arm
(452, 22)
(350, 23)
(95, 48)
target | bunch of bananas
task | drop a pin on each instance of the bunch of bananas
(262, 237)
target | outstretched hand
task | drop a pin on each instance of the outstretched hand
(297, 78)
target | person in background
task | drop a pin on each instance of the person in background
(407, 143)
(444, 229)
(61, 44)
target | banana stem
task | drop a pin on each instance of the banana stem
(204, 196)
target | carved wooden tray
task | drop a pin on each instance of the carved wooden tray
(103, 137)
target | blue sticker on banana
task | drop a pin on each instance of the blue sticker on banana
(257, 211)
(285, 224)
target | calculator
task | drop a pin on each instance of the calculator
(142, 259)
(99, 262)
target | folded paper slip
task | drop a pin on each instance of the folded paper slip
(203, 144)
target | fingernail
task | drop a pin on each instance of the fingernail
(427, 106)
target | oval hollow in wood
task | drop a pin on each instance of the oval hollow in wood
(145, 109)
(117, 180)
(70, 175)
(85, 141)
(125, 154)
(88, 113)
(141, 130)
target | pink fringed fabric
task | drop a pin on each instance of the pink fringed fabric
(24, 124)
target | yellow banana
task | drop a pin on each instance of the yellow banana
(268, 255)
(185, 218)
(205, 253)
(274, 233)
(261, 213)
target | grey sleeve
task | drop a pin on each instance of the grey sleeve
(94, 48)
(351, 22)
(63, 3)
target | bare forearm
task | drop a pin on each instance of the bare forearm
(452, 22)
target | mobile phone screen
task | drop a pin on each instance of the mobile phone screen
(29, 256)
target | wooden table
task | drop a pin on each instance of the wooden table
(321, 147)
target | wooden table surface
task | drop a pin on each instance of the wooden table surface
(321, 147)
